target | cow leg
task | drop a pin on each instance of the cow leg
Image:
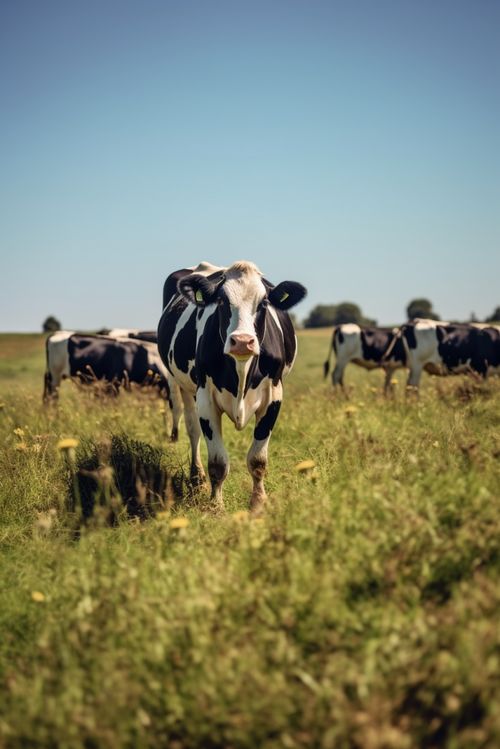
(388, 388)
(265, 420)
(414, 379)
(197, 474)
(175, 403)
(218, 460)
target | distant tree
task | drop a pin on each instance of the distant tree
(421, 308)
(473, 317)
(51, 324)
(495, 316)
(325, 315)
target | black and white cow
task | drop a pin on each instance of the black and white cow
(228, 341)
(118, 362)
(367, 347)
(449, 348)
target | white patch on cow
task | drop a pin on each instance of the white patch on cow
(245, 291)
(57, 356)
(121, 332)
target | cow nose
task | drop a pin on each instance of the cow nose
(242, 345)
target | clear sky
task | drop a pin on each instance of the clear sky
(352, 145)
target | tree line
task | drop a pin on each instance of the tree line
(326, 315)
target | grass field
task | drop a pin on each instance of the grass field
(362, 610)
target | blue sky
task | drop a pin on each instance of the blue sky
(353, 146)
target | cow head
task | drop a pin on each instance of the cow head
(241, 296)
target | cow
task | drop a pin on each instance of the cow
(135, 333)
(227, 340)
(449, 348)
(117, 362)
(365, 346)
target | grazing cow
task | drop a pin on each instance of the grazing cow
(449, 348)
(115, 361)
(366, 347)
(228, 341)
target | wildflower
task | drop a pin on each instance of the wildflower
(67, 447)
(19, 432)
(394, 381)
(37, 596)
(179, 522)
(305, 465)
(350, 410)
(21, 446)
(67, 444)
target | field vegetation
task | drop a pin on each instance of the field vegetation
(361, 610)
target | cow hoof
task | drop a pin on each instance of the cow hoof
(174, 437)
(257, 504)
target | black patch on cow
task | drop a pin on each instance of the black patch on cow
(382, 345)
(266, 424)
(185, 344)
(98, 358)
(463, 344)
(201, 290)
(210, 358)
(374, 343)
(409, 333)
(286, 295)
(166, 328)
(170, 285)
(206, 428)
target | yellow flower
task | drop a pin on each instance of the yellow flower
(69, 443)
(305, 465)
(394, 381)
(21, 446)
(19, 432)
(179, 523)
(350, 410)
(37, 596)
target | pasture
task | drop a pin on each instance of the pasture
(361, 610)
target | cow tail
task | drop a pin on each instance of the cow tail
(326, 365)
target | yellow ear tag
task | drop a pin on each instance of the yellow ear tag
(199, 296)
(284, 296)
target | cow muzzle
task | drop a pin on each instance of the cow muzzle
(242, 346)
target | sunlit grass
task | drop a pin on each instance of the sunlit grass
(361, 610)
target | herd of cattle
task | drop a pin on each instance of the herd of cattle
(437, 347)
(224, 344)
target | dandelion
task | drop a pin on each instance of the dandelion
(350, 411)
(22, 447)
(37, 596)
(163, 515)
(178, 523)
(69, 443)
(304, 465)
(394, 381)
(19, 432)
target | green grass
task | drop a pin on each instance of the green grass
(362, 610)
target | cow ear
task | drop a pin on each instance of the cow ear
(197, 289)
(287, 294)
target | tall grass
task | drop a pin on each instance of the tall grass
(361, 610)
